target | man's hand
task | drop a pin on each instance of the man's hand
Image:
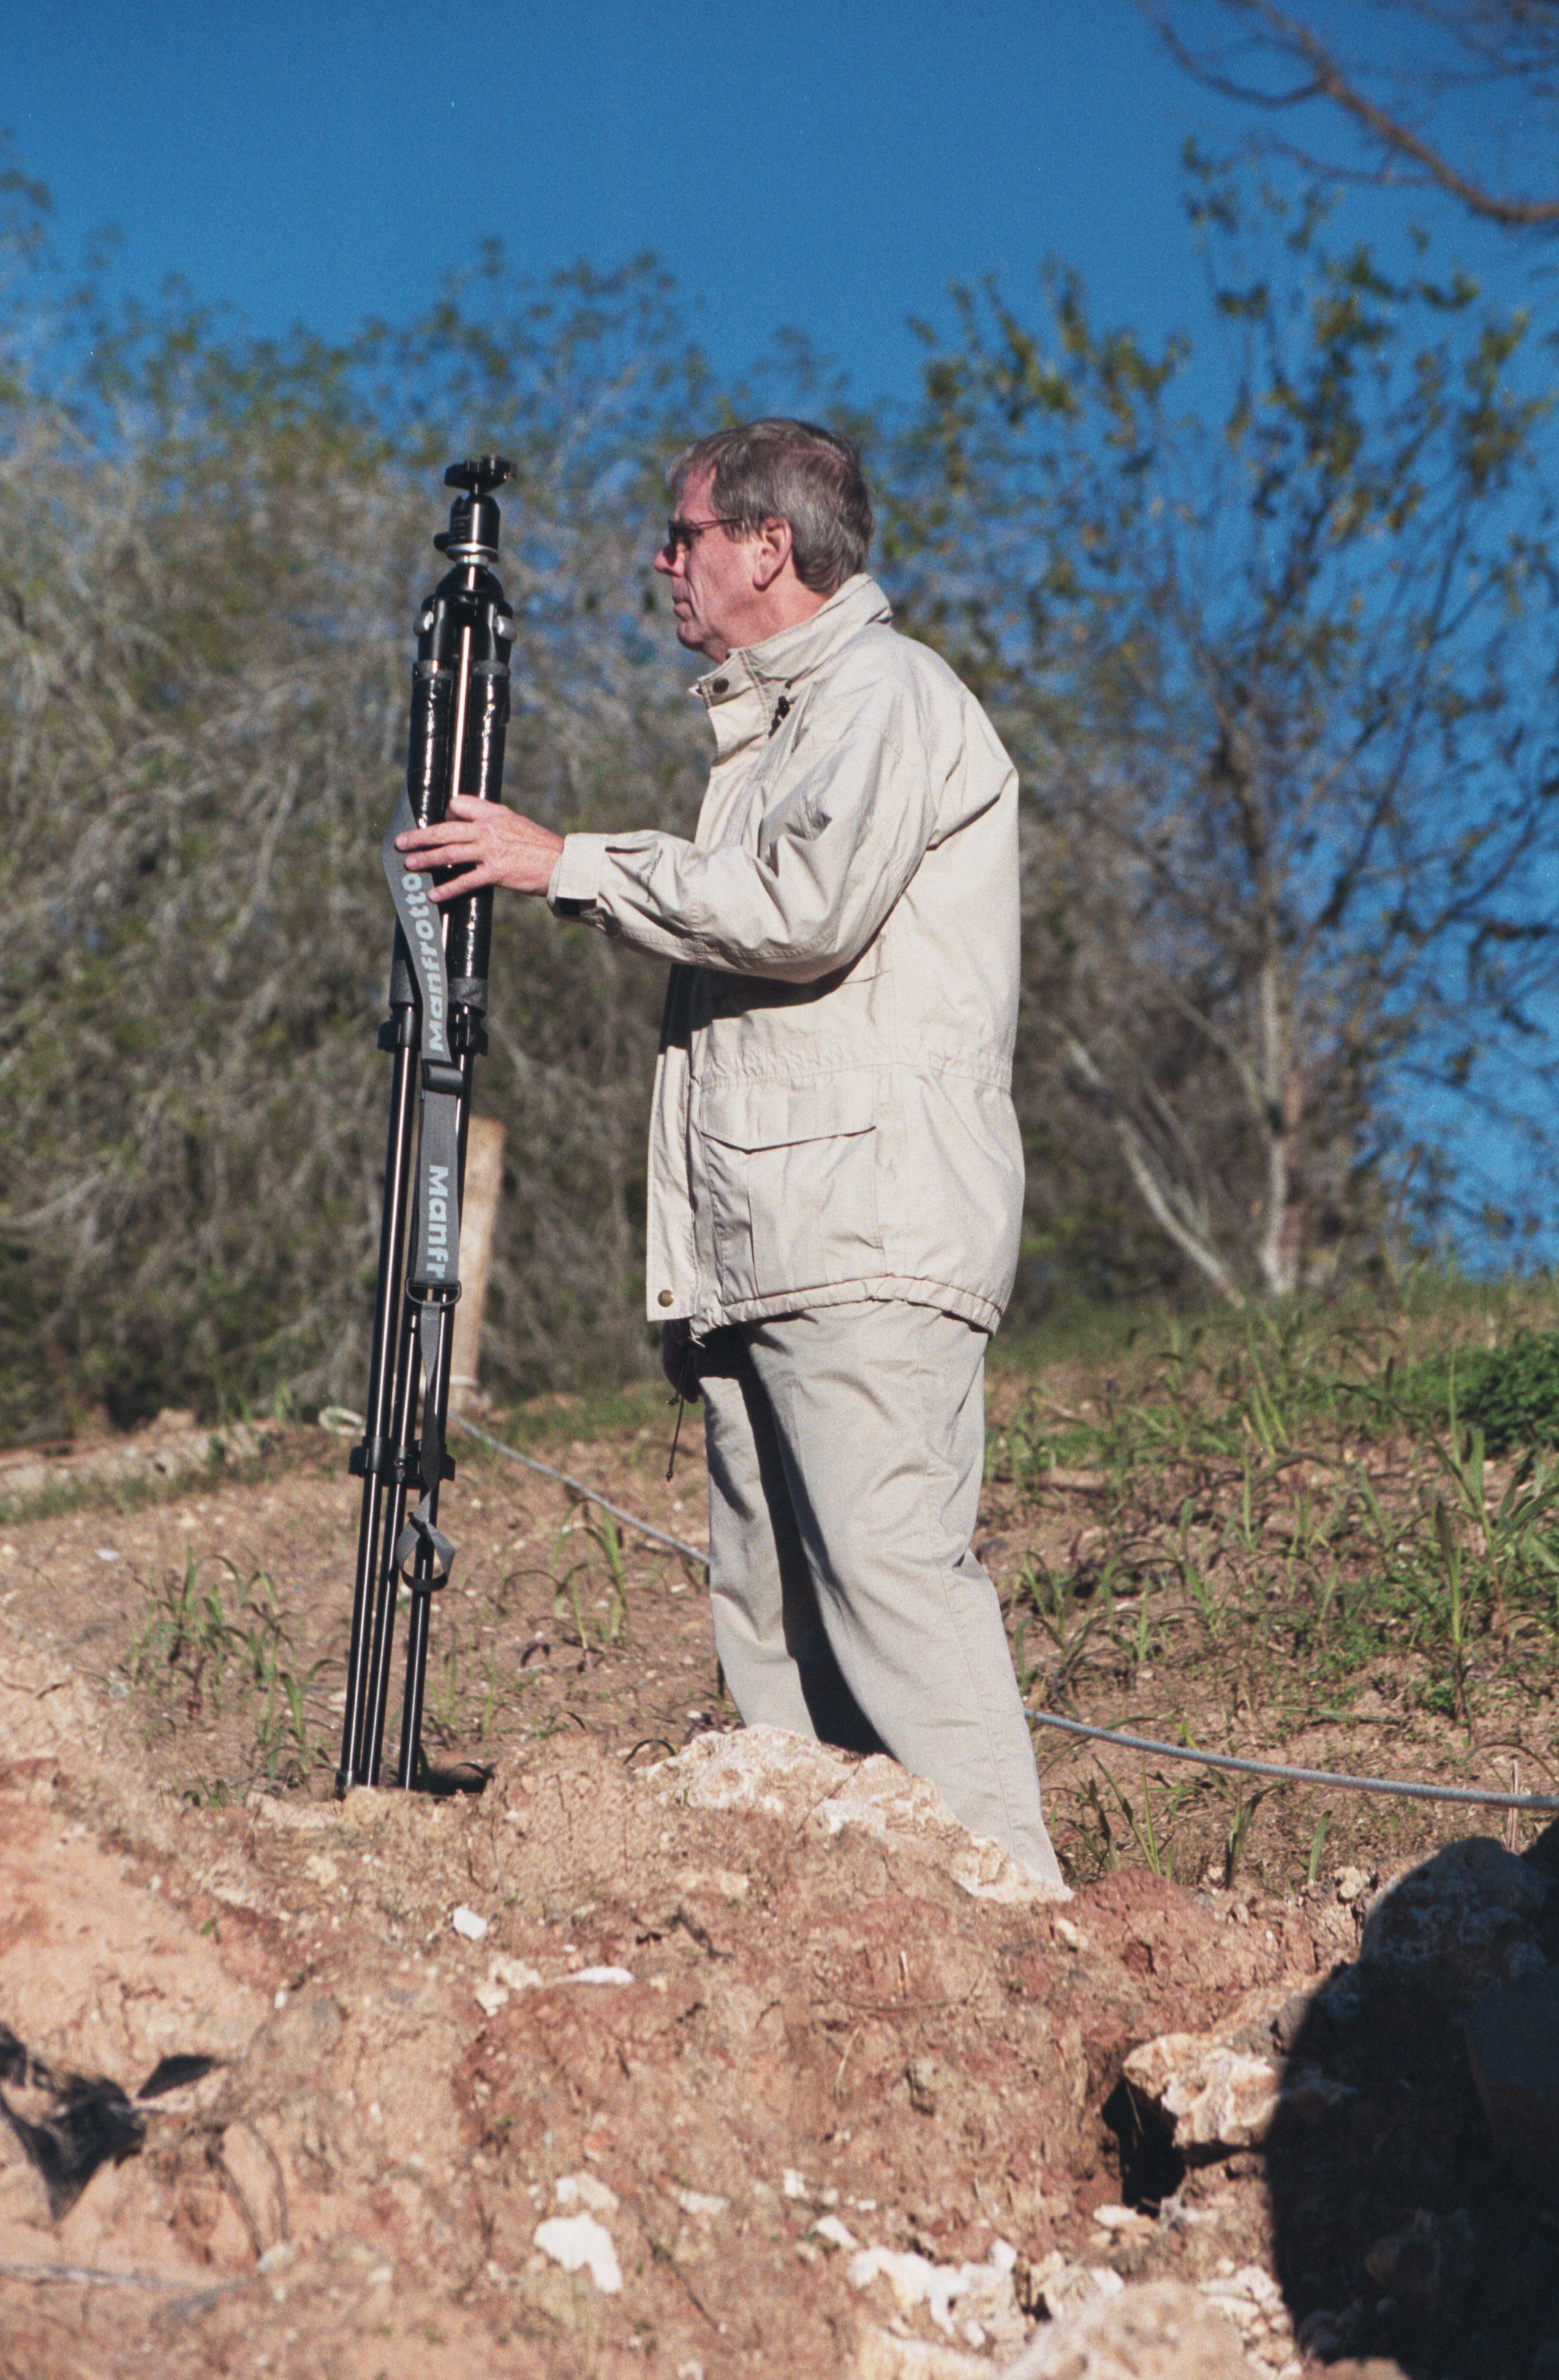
(677, 1360)
(492, 844)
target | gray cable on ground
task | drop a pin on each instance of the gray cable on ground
(590, 1495)
(1543, 1802)
(1298, 1776)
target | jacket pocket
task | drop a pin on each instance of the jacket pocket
(791, 1170)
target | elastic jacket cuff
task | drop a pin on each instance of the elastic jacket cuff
(575, 881)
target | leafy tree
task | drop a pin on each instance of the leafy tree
(1278, 685)
(212, 549)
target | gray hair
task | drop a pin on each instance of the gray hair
(793, 472)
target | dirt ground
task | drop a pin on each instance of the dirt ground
(712, 2055)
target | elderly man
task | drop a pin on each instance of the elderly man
(835, 1171)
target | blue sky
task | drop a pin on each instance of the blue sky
(828, 166)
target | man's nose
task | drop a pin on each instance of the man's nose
(665, 562)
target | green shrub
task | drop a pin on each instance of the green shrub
(1511, 1393)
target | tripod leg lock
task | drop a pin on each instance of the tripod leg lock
(380, 1458)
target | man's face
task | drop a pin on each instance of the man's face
(712, 590)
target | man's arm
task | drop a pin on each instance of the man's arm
(846, 827)
(842, 838)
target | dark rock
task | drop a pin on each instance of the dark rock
(1459, 1922)
(1512, 2048)
(1421, 2264)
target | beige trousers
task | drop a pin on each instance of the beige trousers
(846, 1452)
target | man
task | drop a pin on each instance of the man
(835, 1171)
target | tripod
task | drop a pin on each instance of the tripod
(437, 995)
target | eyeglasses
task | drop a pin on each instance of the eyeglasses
(681, 536)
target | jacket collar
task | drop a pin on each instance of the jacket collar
(739, 693)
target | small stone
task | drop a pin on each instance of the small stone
(1289, 2022)
(837, 2234)
(1321, 2334)
(579, 2243)
(921, 2075)
(1419, 2265)
(585, 2190)
(468, 1925)
(703, 2202)
(504, 1976)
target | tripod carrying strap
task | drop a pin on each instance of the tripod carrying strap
(434, 1282)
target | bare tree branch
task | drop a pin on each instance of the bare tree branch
(1326, 77)
(1158, 1194)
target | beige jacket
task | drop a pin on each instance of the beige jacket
(831, 1115)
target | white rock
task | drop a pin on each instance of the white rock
(466, 1923)
(1249, 2298)
(504, 1976)
(1216, 2096)
(822, 1791)
(1216, 2090)
(579, 2243)
(985, 2292)
(702, 2202)
(837, 2234)
(585, 2190)
(1161, 2331)
(1065, 2289)
(597, 1975)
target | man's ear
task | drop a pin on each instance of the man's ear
(771, 553)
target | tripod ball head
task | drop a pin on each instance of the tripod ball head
(482, 475)
(472, 534)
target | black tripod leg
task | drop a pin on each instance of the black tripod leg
(355, 1763)
(422, 1596)
(416, 1678)
(403, 1430)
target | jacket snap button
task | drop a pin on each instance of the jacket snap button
(664, 1298)
(720, 686)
